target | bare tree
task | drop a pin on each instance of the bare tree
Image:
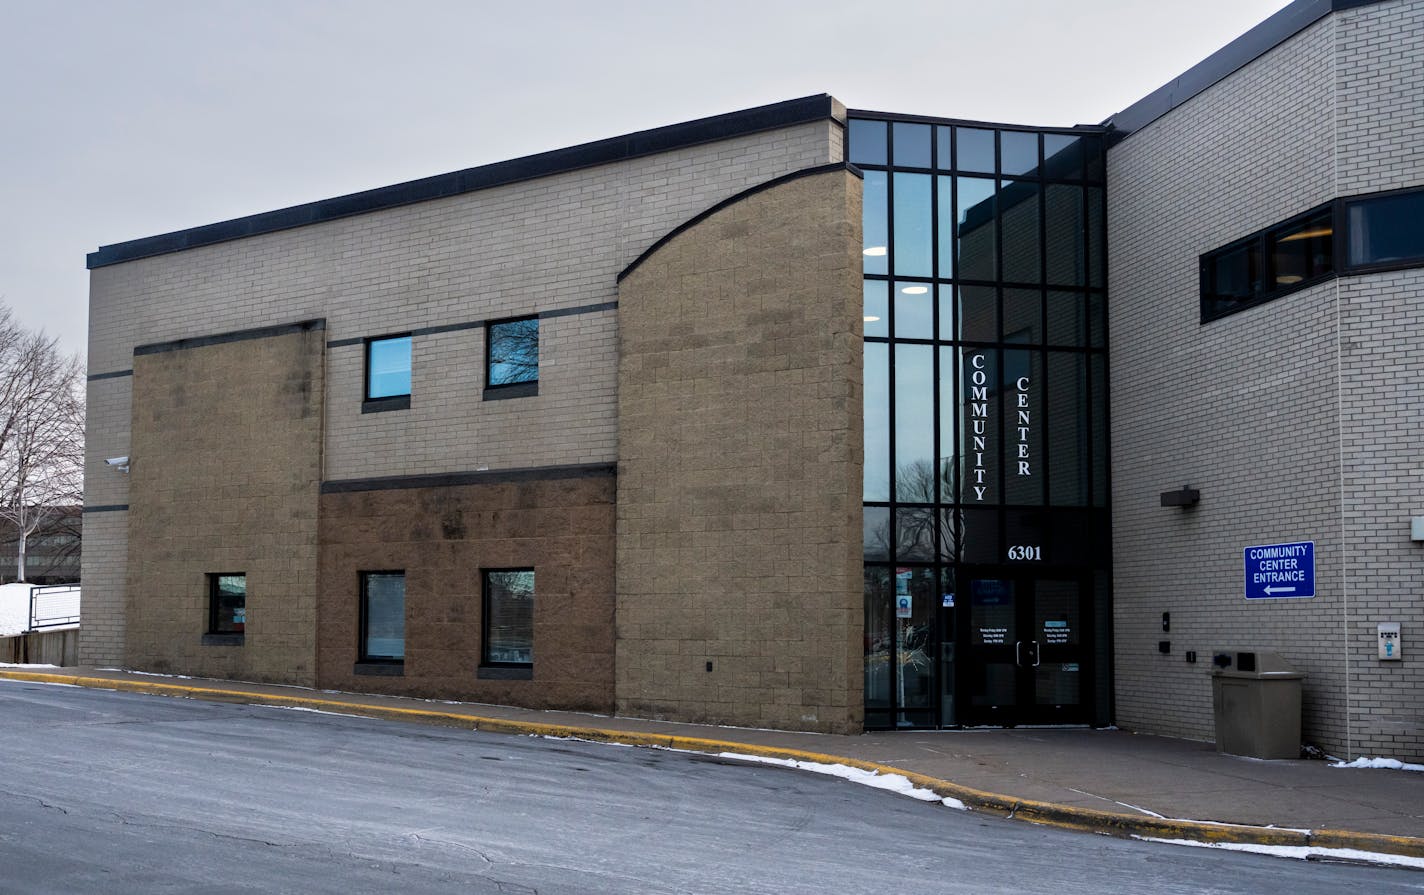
(41, 431)
(915, 482)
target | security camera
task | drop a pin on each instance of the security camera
(120, 463)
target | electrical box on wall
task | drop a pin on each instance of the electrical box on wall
(1391, 648)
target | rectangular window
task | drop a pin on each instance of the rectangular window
(1386, 231)
(509, 617)
(1229, 280)
(227, 603)
(512, 355)
(382, 616)
(1301, 251)
(388, 368)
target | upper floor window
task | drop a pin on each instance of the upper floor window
(1386, 231)
(512, 356)
(1356, 235)
(1268, 264)
(388, 368)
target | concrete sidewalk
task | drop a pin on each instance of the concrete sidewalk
(1101, 780)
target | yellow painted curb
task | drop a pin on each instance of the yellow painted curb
(1045, 813)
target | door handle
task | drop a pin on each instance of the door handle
(1036, 657)
(1018, 653)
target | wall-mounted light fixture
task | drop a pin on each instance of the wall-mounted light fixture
(1186, 497)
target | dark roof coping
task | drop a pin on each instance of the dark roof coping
(613, 149)
(1242, 51)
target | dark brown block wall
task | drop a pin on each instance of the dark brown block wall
(442, 538)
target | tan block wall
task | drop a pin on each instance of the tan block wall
(225, 478)
(442, 538)
(739, 514)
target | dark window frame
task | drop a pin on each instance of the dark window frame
(951, 506)
(1261, 257)
(214, 634)
(365, 661)
(1337, 210)
(388, 402)
(524, 388)
(1342, 223)
(485, 661)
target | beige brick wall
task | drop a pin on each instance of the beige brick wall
(740, 466)
(104, 565)
(553, 243)
(225, 478)
(103, 574)
(449, 425)
(1276, 413)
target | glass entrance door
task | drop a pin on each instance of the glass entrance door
(1025, 649)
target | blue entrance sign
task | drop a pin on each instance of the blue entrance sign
(1280, 571)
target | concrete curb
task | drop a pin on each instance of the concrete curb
(1045, 813)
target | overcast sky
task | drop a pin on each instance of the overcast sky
(126, 119)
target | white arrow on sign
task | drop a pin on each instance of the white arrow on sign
(1279, 590)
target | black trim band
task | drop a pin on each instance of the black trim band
(513, 390)
(242, 335)
(95, 377)
(614, 149)
(732, 200)
(381, 405)
(423, 331)
(379, 669)
(477, 324)
(482, 477)
(1071, 130)
(505, 673)
(108, 508)
(581, 309)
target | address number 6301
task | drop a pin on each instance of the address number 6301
(1024, 551)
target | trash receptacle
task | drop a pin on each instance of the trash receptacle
(1255, 699)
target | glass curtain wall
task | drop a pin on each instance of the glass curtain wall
(985, 387)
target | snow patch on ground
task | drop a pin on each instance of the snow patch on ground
(550, 736)
(185, 677)
(14, 609)
(23, 665)
(890, 782)
(1300, 852)
(1392, 764)
(302, 708)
